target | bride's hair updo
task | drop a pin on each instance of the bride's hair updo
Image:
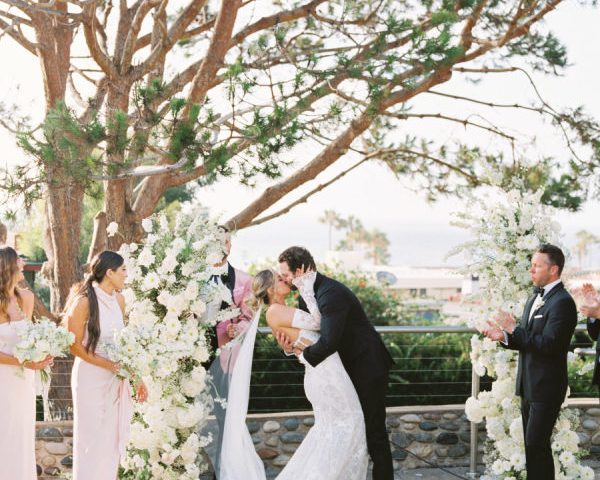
(263, 280)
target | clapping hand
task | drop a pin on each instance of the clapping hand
(493, 332)
(505, 321)
(591, 308)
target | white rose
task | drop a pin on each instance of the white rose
(151, 281)
(172, 324)
(198, 307)
(587, 473)
(147, 225)
(191, 387)
(473, 410)
(168, 265)
(177, 245)
(146, 257)
(201, 354)
(191, 292)
(169, 457)
(112, 229)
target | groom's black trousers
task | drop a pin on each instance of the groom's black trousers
(371, 394)
(538, 422)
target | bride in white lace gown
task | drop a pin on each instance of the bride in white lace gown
(335, 448)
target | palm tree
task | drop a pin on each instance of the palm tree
(333, 220)
(585, 240)
(379, 245)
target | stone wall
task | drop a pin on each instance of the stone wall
(438, 434)
(53, 449)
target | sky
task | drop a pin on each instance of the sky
(419, 232)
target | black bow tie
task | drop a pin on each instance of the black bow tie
(224, 278)
(538, 291)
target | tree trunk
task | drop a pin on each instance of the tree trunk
(116, 202)
(63, 214)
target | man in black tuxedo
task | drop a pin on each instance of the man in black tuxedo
(345, 329)
(542, 338)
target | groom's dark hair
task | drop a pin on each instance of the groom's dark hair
(297, 257)
(555, 255)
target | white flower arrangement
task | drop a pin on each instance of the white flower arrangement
(507, 227)
(42, 338)
(164, 342)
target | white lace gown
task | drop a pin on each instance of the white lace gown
(335, 448)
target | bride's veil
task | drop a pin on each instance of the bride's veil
(232, 451)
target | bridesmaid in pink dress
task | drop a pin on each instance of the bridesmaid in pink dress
(102, 403)
(17, 401)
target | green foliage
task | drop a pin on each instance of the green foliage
(548, 53)
(381, 306)
(119, 141)
(309, 78)
(31, 239)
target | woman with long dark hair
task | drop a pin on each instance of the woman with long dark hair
(102, 404)
(17, 401)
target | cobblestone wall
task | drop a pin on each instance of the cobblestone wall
(439, 434)
(54, 448)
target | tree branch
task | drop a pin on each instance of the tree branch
(324, 159)
(464, 121)
(90, 24)
(306, 196)
(144, 170)
(136, 25)
(17, 36)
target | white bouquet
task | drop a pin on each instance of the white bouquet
(40, 339)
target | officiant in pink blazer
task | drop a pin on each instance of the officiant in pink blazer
(239, 284)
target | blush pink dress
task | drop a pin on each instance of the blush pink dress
(102, 404)
(17, 411)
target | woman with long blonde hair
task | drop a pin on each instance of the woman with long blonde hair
(102, 404)
(17, 401)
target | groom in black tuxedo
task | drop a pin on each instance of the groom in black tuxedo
(542, 338)
(345, 329)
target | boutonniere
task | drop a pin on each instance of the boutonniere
(541, 304)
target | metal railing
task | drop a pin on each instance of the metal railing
(471, 385)
(474, 383)
(285, 380)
